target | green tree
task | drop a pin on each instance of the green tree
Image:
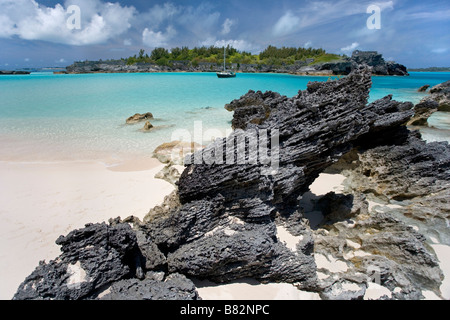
(159, 53)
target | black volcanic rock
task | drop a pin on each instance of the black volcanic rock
(315, 128)
(224, 221)
(91, 258)
(254, 107)
(174, 287)
(225, 228)
(370, 58)
(3, 72)
(422, 111)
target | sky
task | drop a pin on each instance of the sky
(44, 33)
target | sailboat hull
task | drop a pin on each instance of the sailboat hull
(226, 74)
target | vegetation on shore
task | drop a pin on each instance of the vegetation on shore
(270, 56)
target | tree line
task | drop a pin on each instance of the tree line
(270, 56)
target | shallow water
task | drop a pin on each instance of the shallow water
(78, 117)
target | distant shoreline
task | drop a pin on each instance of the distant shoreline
(430, 69)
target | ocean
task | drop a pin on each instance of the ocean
(46, 117)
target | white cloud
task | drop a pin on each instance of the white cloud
(351, 47)
(286, 24)
(158, 39)
(321, 12)
(308, 44)
(31, 21)
(433, 15)
(127, 42)
(226, 27)
(439, 50)
(241, 45)
(384, 5)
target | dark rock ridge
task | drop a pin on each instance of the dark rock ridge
(3, 72)
(408, 180)
(222, 223)
(422, 111)
(411, 173)
(343, 66)
(91, 258)
(370, 58)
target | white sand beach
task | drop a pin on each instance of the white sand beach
(41, 201)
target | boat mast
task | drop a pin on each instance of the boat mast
(224, 58)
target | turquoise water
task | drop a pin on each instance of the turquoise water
(58, 117)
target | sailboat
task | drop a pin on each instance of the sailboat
(225, 73)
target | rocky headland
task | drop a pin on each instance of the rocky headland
(4, 72)
(343, 66)
(223, 222)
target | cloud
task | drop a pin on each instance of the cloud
(317, 13)
(241, 45)
(383, 5)
(158, 14)
(29, 20)
(200, 22)
(226, 27)
(286, 24)
(426, 15)
(439, 50)
(158, 39)
(308, 44)
(351, 47)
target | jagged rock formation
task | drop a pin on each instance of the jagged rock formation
(438, 100)
(91, 258)
(409, 181)
(222, 223)
(422, 111)
(441, 94)
(154, 287)
(370, 58)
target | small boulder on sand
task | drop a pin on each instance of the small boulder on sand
(423, 88)
(139, 118)
(175, 151)
(148, 126)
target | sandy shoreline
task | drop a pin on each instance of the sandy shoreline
(41, 201)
